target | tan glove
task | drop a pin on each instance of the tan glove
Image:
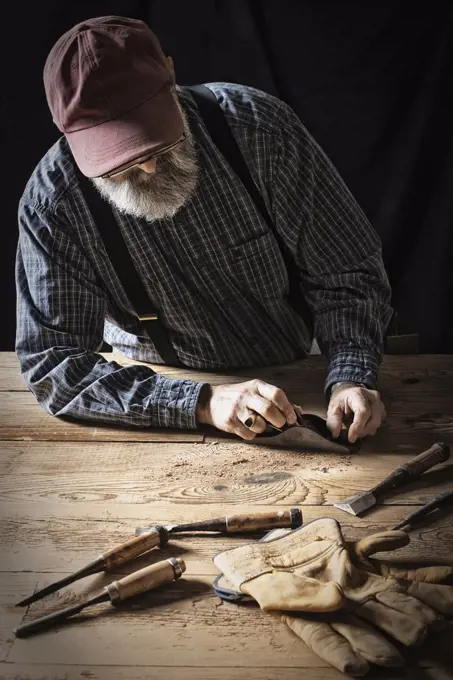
(346, 641)
(311, 570)
(343, 640)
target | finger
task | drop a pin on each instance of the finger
(442, 574)
(328, 645)
(254, 422)
(380, 541)
(241, 430)
(360, 405)
(402, 627)
(298, 410)
(408, 605)
(348, 415)
(368, 642)
(438, 597)
(244, 433)
(279, 399)
(267, 410)
(374, 422)
(335, 419)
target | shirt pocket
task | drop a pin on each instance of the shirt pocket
(258, 265)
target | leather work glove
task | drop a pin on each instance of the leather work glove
(312, 571)
(342, 640)
(346, 641)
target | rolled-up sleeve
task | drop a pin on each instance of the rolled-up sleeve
(60, 321)
(338, 253)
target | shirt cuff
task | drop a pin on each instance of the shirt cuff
(175, 402)
(352, 365)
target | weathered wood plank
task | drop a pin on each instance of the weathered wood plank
(63, 537)
(414, 422)
(227, 472)
(181, 625)
(22, 419)
(418, 395)
(21, 671)
(10, 616)
(184, 624)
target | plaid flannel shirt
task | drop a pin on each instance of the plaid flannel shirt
(214, 271)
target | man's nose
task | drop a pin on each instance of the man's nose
(149, 166)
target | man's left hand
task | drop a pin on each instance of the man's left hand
(352, 402)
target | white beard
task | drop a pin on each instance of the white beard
(159, 195)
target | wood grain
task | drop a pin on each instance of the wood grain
(69, 491)
(10, 616)
(225, 472)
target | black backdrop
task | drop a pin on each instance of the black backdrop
(373, 82)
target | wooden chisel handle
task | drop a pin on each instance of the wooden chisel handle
(146, 579)
(437, 453)
(264, 520)
(156, 536)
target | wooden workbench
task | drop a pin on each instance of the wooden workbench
(70, 491)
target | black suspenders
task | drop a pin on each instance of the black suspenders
(123, 264)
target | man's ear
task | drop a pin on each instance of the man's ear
(172, 69)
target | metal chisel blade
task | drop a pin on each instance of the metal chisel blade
(358, 503)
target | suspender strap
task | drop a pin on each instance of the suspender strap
(123, 264)
(223, 138)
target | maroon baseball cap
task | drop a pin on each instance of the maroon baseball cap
(108, 86)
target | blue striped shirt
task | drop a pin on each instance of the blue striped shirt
(214, 271)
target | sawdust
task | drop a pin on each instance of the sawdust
(228, 460)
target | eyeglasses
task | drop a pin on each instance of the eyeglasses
(161, 152)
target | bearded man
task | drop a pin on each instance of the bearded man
(205, 256)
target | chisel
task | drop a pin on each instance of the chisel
(362, 501)
(134, 584)
(440, 501)
(235, 524)
(108, 561)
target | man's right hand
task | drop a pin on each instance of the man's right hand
(228, 407)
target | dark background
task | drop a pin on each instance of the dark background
(372, 81)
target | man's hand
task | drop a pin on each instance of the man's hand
(228, 407)
(363, 406)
